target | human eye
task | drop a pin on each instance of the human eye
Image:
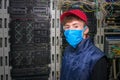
(76, 26)
(66, 27)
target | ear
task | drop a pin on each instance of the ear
(86, 30)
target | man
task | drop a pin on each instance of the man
(82, 60)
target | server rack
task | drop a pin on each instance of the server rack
(30, 37)
(112, 37)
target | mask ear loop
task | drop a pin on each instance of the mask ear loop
(85, 28)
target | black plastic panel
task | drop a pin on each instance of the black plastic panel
(29, 39)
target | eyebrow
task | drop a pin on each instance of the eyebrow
(75, 24)
(72, 24)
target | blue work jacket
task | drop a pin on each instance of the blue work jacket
(78, 63)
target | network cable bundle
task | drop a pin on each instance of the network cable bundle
(29, 39)
(113, 14)
(112, 45)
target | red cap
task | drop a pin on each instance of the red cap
(75, 12)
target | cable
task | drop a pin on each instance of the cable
(90, 9)
(86, 9)
(83, 6)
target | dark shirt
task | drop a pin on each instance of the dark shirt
(100, 70)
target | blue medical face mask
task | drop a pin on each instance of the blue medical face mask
(74, 37)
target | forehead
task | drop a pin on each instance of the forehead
(75, 22)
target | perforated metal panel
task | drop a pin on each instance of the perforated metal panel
(30, 39)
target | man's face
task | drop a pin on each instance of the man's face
(74, 25)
